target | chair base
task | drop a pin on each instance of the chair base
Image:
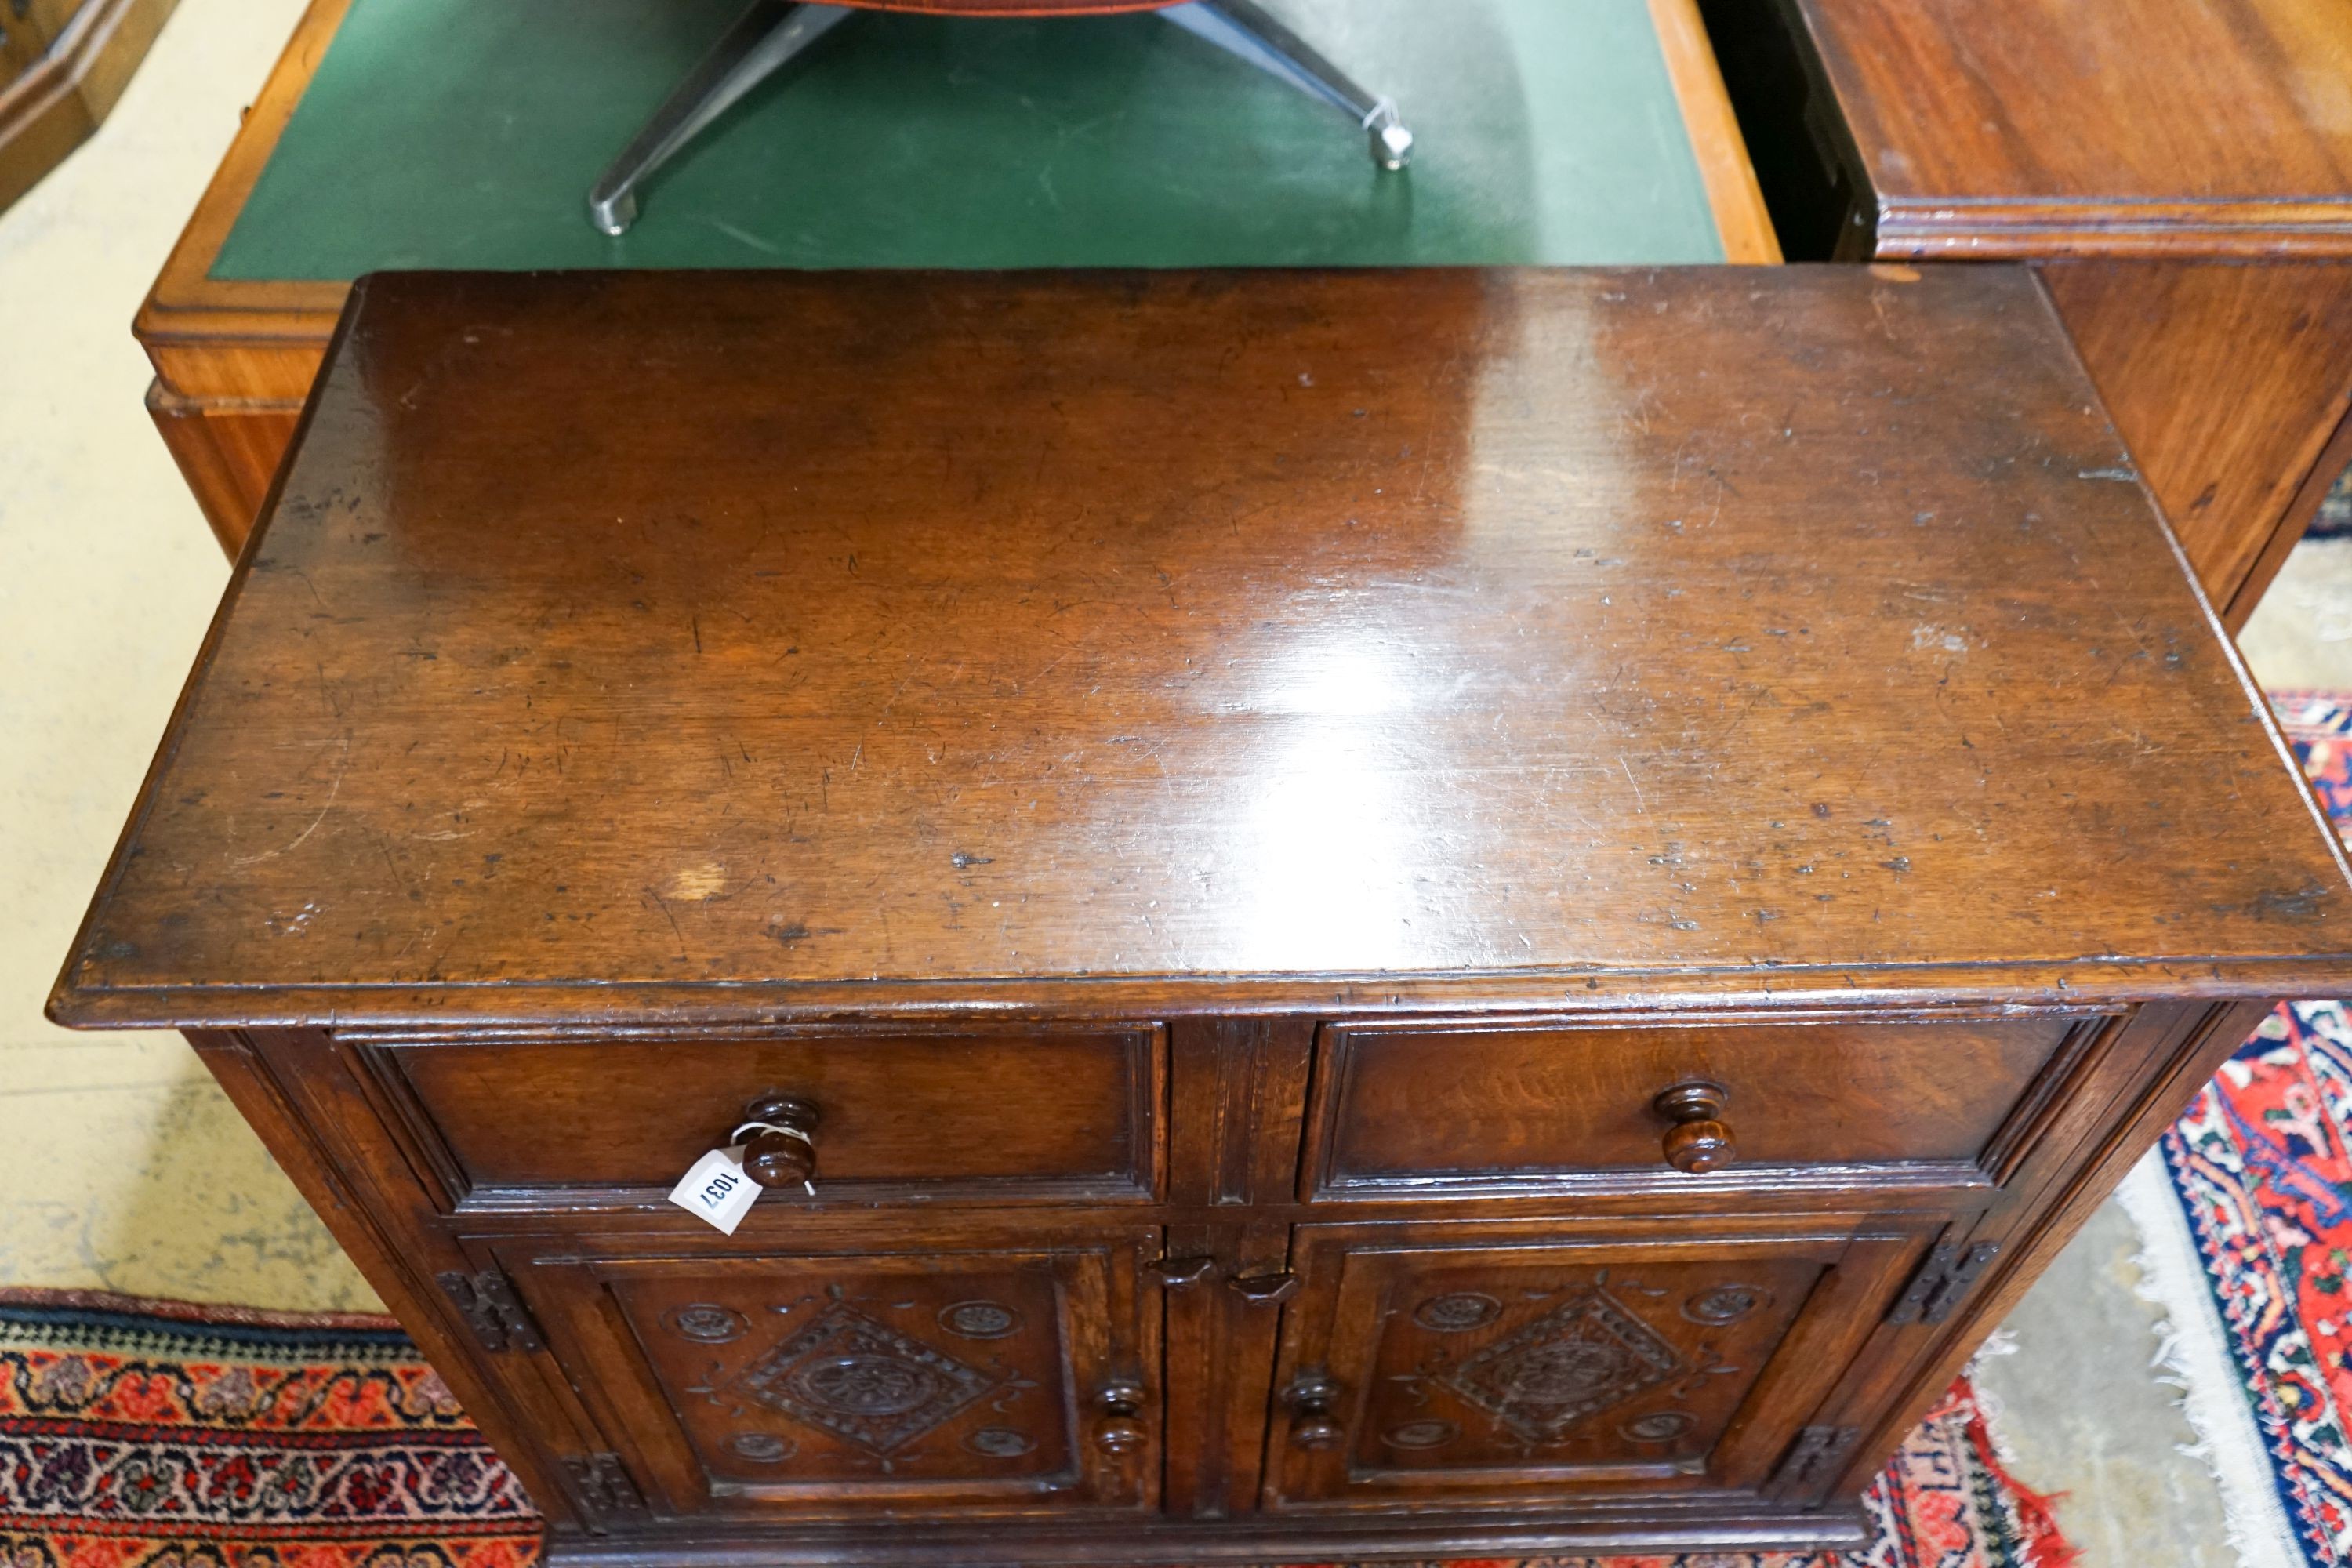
(769, 34)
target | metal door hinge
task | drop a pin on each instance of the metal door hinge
(1181, 1273)
(1944, 1277)
(492, 1309)
(1814, 1461)
(1264, 1290)
(602, 1488)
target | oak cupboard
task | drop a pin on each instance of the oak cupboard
(1342, 914)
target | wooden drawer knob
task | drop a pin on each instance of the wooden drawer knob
(1122, 1430)
(1310, 1396)
(780, 1151)
(1698, 1138)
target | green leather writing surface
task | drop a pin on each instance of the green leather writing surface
(464, 133)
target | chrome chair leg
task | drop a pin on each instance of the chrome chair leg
(1244, 28)
(767, 35)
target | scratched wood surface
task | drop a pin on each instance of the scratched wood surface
(720, 642)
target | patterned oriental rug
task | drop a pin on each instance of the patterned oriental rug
(2260, 1186)
(139, 1433)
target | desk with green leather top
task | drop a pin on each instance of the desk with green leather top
(455, 134)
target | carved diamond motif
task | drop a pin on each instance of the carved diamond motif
(861, 1380)
(1566, 1365)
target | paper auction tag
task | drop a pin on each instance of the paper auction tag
(718, 1189)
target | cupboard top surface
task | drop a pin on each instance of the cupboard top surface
(723, 643)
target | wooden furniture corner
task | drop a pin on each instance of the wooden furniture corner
(2177, 169)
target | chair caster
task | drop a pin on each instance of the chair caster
(1241, 28)
(613, 215)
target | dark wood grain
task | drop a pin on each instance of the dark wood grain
(1248, 808)
(605, 1351)
(1041, 1111)
(870, 1369)
(2033, 128)
(2183, 166)
(2228, 381)
(1737, 624)
(1468, 1360)
(1480, 1101)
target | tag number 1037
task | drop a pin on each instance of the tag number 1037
(718, 1188)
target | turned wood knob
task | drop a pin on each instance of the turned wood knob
(1311, 1397)
(1120, 1434)
(1698, 1138)
(1315, 1430)
(1122, 1431)
(780, 1151)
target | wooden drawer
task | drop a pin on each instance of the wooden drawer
(1455, 1108)
(1037, 1112)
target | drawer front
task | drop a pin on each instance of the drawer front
(1031, 1113)
(1448, 1108)
(1524, 1365)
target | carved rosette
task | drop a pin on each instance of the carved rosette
(706, 1323)
(1724, 1304)
(1456, 1311)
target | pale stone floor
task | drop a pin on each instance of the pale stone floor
(122, 1167)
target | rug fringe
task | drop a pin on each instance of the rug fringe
(2001, 1341)
(2040, 1544)
(176, 1310)
(2193, 1352)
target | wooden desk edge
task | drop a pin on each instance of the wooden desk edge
(1717, 142)
(186, 301)
(1955, 229)
(2089, 984)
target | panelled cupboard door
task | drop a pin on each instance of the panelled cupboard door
(932, 1376)
(1472, 1364)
